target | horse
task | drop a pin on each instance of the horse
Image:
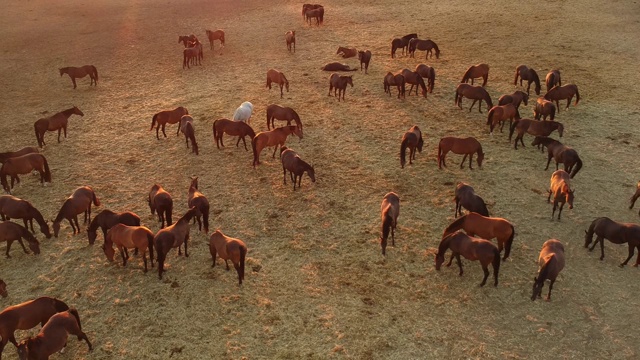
(160, 202)
(411, 139)
(527, 73)
(277, 112)
(544, 108)
(3, 289)
(306, 7)
(233, 128)
(429, 73)
(79, 202)
(24, 164)
(389, 211)
(472, 249)
(186, 39)
(338, 83)
(24, 151)
(336, 66)
(564, 154)
(635, 197)
(165, 117)
(275, 76)
(467, 146)
(27, 315)
(13, 208)
(10, 232)
(550, 263)
(317, 13)
(476, 71)
(365, 58)
(396, 80)
(53, 336)
(428, 45)
(106, 219)
(128, 237)
(466, 197)
(346, 52)
(533, 127)
(228, 248)
(477, 93)
(54, 122)
(561, 191)
(296, 166)
(243, 112)
(516, 99)
(80, 72)
(413, 78)
(617, 233)
(201, 203)
(290, 37)
(171, 237)
(275, 137)
(192, 55)
(499, 114)
(552, 79)
(215, 35)
(558, 93)
(485, 227)
(401, 43)
(186, 127)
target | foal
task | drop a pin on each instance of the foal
(296, 166)
(201, 203)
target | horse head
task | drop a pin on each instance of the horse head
(44, 228)
(194, 183)
(77, 111)
(525, 98)
(537, 288)
(480, 158)
(297, 131)
(61, 72)
(312, 173)
(3, 289)
(92, 235)
(109, 252)
(560, 129)
(439, 260)
(23, 349)
(588, 237)
(286, 84)
(349, 80)
(437, 53)
(56, 227)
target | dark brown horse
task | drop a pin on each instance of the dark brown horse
(275, 76)
(186, 39)
(13, 208)
(215, 35)
(516, 99)
(365, 58)
(415, 79)
(336, 66)
(550, 263)
(401, 43)
(129, 237)
(476, 71)
(160, 202)
(24, 164)
(558, 93)
(106, 219)
(467, 146)
(635, 197)
(54, 122)
(233, 128)
(501, 113)
(275, 137)
(544, 108)
(485, 227)
(617, 233)
(561, 191)
(527, 73)
(186, 127)
(424, 45)
(52, 338)
(290, 38)
(338, 83)
(429, 73)
(79, 202)
(171, 237)
(277, 112)
(296, 166)
(533, 127)
(564, 154)
(477, 93)
(472, 249)
(228, 248)
(10, 232)
(192, 55)
(389, 211)
(466, 197)
(3, 289)
(346, 52)
(80, 72)
(314, 13)
(553, 79)
(165, 117)
(201, 203)
(24, 151)
(411, 139)
(396, 80)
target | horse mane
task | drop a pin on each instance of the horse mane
(455, 225)
(467, 73)
(27, 235)
(67, 112)
(444, 243)
(61, 213)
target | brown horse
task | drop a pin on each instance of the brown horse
(533, 127)
(477, 93)
(466, 197)
(411, 139)
(401, 43)
(564, 154)
(476, 71)
(160, 202)
(315, 13)
(396, 80)
(52, 337)
(290, 37)
(544, 108)
(201, 203)
(516, 99)
(186, 39)
(553, 79)
(13, 208)
(192, 55)
(275, 76)
(233, 128)
(228, 248)
(527, 73)
(485, 227)
(501, 113)
(346, 52)
(106, 219)
(3, 289)
(296, 166)
(558, 93)
(171, 237)
(472, 249)
(10, 232)
(617, 233)
(24, 164)
(275, 137)
(635, 197)
(168, 117)
(27, 315)
(54, 122)
(560, 189)
(550, 263)
(429, 73)
(389, 209)
(424, 45)
(129, 237)
(338, 83)
(186, 127)
(24, 151)
(79, 202)
(80, 72)
(336, 66)
(467, 146)
(277, 112)
(365, 58)
(413, 78)
(215, 35)
(306, 7)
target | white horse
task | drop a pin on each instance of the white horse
(243, 112)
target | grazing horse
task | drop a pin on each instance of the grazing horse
(24, 164)
(233, 128)
(27, 315)
(527, 73)
(160, 202)
(277, 112)
(336, 66)
(389, 209)
(106, 219)
(467, 146)
(171, 237)
(413, 78)
(346, 52)
(533, 127)
(168, 117)
(79, 202)
(543, 109)
(275, 76)
(24, 151)
(553, 79)
(550, 263)
(3, 289)
(129, 237)
(472, 249)
(365, 58)
(290, 37)
(13, 208)
(560, 189)
(617, 233)
(275, 137)
(485, 227)
(296, 166)
(411, 139)
(338, 83)
(52, 338)
(635, 197)
(201, 203)
(401, 43)
(186, 127)
(564, 154)
(215, 35)
(477, 93)
(243, 112)
(501, 113)
(476, 71)
(516, 99)
(54, 122)
(466, 197)
(80, 72)
(192, 55)
(10, 231)
(186, 39)
(558, 93)
(317, 13)
(396, 80)
(428, 45)
(429, 73)
(228, 248)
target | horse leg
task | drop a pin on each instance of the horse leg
(463, 159)
(59, 130)
(238, 142)
(164, 133)
(558, 106)
(245, 144)
(9, 242)
(485, 77)
(459, 263)
(124, 258)
(473, 103)
(470, 160)
(550, 287)
(281, 94)
(560, 210)
(64, 128)
(186, 241)
(568, 102)
(450, 259)
(199, 223)
(458, 208)
(275, 148)
(485, 268)
(548, 160)
(73, 79)
(632, 249)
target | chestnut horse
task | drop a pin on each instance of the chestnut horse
(338, 83)
(317, 13)
(501, 113)
(425, 45)
(396, 80)
(13, 208)
(79, 202)
(54, 122)
(413, 78)
(129, 237)
(472, 249)
(168, 117)
(106, 219)
(10, 232)
(3, 289)
(201, 203)
(527, 73)
(550, 263)
(401, 43)
(544, 108)
(411, 139)
(336, 66)
(186, 127)
(186, 39)
(429, 73)
(275, 137)
(306, 7)
(365, 58)
(564, 154)
(160, 202)
(476, 71)
(560, 189)
(617, 233)
(215, 35)
(228, 248)
(389, 209)
(52, 338)
(477, 93)
(80, 72)
(24, 151)
(485, 227)
(277, 112)
(516, 99)
(296, 166)
(24, 164)
(635, 197)
(558, 93)
(290, 37)
(533, 127)
(233, 128)
(553, 79)
(275, 76)
(171, 237)
(346, 52)
(466, 197)
(467, 146)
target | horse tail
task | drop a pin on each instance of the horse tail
(168, 212)
(75, 314)
(513, 128)
(577, 168)
(96, 201)
(403, 149)
(59, 305)
(490, 116)
(150, 245)
(507, 248)
(589, 233)
(439, 152)
(577, 97)
(454, 226)
(153, 121)
(255, 150)
(496, 264)
(47, 171)
(95, 72)
(243, 255)
(35, 128)
(214, 130)
(192, 136)
(205, 218)
(515, 79)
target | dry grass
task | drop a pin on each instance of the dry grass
(316, 285)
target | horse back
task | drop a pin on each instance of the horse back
(391, 205)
